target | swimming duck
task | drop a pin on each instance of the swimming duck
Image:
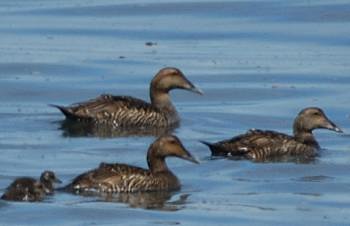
(31, 190)
(127, 111)
(265, 144)
(116, 177)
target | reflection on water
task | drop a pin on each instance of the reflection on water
(85, 129)
(257, 207)
(146, 200)
(259, 62)
(296, 159)
(318, 178)
(308, 194)
(272, 159)
(3, 203)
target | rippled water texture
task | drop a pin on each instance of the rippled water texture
(258, 62)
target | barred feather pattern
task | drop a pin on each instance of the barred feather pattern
(262, 145)
(116, 178)
(123, 111)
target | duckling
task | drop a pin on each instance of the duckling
(116, 177)
(127, 111)
(31, 190)
(264, 144)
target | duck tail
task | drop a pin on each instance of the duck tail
(210, 145)
(66, 111)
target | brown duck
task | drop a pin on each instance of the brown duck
(114, 178)
(265, 145)
(31, 190)
(127, 111)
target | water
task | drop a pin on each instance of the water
(259, 63)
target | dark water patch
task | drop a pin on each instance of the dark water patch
(309, 194)
(257, 207)
(318, 178)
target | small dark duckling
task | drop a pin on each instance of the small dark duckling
(115, 178)
(264, 144)
(31, 190)
(127, 111)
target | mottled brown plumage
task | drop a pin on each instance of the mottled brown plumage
(111, 178)
(126, 111)
(31, 190)
(265, 145)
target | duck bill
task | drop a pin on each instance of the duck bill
(196, 90)
(333, 127)
(190, 87)
(190, 158)
(58, 181)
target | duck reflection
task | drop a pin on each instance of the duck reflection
(277, 159)
(160, 200)
(85, 129)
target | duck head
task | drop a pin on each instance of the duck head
(313, 118)
(165, 146)
(47, 178)
(170, 78)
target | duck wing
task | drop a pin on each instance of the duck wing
(117, 110)
(24, 189)
(109, 178)
(22, 182)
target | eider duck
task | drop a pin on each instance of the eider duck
(264, 144)
(117, 178)
(31, 190)
(127, 111)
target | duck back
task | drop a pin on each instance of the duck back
(123, 178)
(120, 111)
(24, 189)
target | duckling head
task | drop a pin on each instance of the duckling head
(48, 178)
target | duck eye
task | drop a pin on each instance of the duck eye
(316, 113)
(172, 141)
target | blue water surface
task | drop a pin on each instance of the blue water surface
(258, 62)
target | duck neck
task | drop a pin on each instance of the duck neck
(306, 137)
(156, 163)
(161, 99)
(48, 185)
